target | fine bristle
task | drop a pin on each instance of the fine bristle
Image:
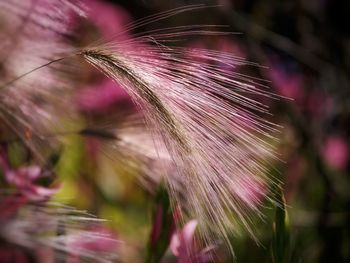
(208, 121)
(203, 129)
(35, 82)
(59, 227)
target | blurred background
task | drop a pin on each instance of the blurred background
(303, 49)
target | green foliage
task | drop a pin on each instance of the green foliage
(17, 154)
(282, 249)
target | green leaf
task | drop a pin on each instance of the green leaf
(281, 247)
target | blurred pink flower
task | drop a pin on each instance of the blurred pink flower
(103, 95)
(110, 19)
(287, 84)
(184, 248)
(24, 179)
(97, 240)
(335, 152)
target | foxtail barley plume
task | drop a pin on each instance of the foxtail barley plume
(206, 119)
(69, 232)
(202, 130)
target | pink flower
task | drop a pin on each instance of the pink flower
(25, 179)
(184, 248)
(110, 22)
(287, 84)
(97, 240)
(102, 96)
(108, 18)
(335, 152)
